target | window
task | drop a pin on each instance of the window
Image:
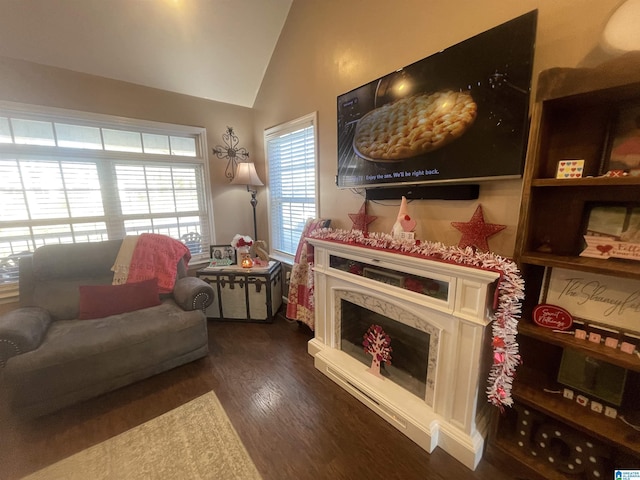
(291, 156)
(71, 177)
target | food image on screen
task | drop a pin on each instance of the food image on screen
(414, 125)
(457, 116)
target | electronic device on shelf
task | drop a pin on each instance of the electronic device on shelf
(593, 377)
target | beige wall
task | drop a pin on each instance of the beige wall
(41, 85)
(329, 47)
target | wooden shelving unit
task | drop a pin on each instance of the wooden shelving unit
(586, 182)
(564, 340)
(535, 468)
(571, 119)
(620, 268)
(604, 429)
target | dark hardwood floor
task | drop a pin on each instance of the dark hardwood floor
(294, 421)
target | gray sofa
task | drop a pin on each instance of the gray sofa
(51, 359)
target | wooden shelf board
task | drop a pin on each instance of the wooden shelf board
(585, 182)
(541, 468)
(599, 351)
(605, 429)
(607, 82)
(620, 268)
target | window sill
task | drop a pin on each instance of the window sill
(9, 294)
(282, 258)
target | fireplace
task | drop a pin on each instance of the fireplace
(435, 317)
(414, 344)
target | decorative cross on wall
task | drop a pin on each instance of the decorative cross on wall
(230, 152)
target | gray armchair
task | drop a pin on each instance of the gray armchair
(50, 359)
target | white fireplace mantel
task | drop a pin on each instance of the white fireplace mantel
(454, 414)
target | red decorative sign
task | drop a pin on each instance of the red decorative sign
(551, 316)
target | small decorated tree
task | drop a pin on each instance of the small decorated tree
(377, 344)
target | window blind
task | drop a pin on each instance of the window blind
(291, 156)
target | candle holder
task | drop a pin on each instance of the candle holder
(247, 262)
(243, 244)
(244, 257)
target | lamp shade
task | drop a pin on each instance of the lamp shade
(620, 34)
(246, 175)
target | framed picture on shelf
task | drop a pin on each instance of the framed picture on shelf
(606, 300)
(612, 231)
(222, 255)
(611, 219)
(622, 152)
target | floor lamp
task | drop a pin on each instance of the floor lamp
(246, 175)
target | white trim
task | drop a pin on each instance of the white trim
(282, 257)
(37, 112)
(9, 293)
(104, 121)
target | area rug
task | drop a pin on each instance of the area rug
(194, 441)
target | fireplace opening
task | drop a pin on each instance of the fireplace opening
(410, 347)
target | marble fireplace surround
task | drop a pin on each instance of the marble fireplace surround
(454, 414)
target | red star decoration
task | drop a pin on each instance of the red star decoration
(361, 219)
(475, 232)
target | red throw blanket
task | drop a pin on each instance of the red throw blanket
(300, 304)
(157, 256)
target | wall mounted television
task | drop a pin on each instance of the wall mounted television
(458, 116)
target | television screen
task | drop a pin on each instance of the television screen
(458, 116)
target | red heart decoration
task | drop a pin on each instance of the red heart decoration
(408, 225)
(603, 249)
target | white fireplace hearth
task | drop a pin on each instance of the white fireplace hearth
(437, 317)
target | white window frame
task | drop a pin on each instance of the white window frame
(9, 292)
(310, 119)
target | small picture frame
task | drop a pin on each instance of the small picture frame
(570, 168)
(222, 255)
(612, 231)
(611, 219)
(622, 152)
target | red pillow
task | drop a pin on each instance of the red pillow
(98, 301)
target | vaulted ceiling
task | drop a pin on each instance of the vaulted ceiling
(214, 49)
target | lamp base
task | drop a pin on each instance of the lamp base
(254, 202)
